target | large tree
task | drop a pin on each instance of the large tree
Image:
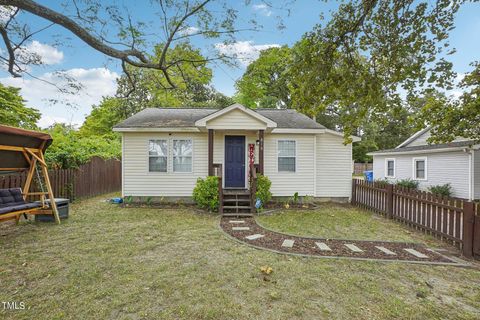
(451, 117)
(13, 111)
(372, 57)
(265, 82)
(111, 29)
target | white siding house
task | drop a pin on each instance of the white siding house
(299, 155)
(455, 163)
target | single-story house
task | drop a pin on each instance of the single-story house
(456, 163)
(165, 151)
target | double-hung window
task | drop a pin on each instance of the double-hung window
(157, 155)
(182, 155)
(286, 155)
(420, 168)
(390, 168)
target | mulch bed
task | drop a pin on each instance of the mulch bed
(273, 240)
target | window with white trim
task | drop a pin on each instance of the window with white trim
(157, 155)
(420, 168)
(390, 168)
(286, 155)
(182, 155)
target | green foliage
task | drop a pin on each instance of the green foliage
(13, 111)
(407, 183)
(128, 199)
(205, 193)
(263, 189)
(70, 149)
(295, 198)
(450, 117)
(102, 118)
(264, 83)
(383, 181)
(441, 190)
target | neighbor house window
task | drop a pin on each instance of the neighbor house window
(286, 156)
(182, 155)
(420, 168)
(157, 155)
(390, 168)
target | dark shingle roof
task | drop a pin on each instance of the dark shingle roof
(186, 117)
(427, 147)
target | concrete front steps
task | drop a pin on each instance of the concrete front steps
(237, 203)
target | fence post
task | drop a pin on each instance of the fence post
(468, 228)
(354, 192)
(389, 201)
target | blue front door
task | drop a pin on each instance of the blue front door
(234, 161)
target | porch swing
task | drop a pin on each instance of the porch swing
(23, 150)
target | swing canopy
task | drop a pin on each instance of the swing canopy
(14, 143)
(23, 150)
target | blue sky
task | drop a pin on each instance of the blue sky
(98, 74)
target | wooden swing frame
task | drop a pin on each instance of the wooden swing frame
(33, 156)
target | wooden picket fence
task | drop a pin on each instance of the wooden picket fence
(96, 177)
(451, 219)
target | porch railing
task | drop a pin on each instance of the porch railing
(217, 169)
(253, 186)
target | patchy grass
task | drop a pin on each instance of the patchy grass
(343, 222)
(107, 262)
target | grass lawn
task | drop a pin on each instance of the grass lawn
(107, 262)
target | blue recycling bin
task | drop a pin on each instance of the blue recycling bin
(368, 175)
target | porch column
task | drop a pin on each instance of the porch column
(261, 138)
(210, 152)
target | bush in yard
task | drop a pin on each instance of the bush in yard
(407, 183)
(205, 193)
(263, 189)
(441, 190)
(382, 182)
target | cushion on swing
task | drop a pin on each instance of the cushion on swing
(11, 200)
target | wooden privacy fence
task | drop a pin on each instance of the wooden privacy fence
(359, 167)
(93, 178)
(448, 218)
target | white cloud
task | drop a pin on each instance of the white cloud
(189, 31)
(262, 9)
(69, 108)
(46, 121)
(42, 52)
(244, 51)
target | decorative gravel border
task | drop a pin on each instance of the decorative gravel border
(273, 241)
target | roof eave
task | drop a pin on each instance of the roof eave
(156, 129)
(423, 151)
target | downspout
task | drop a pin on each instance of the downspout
(472, 176)
(470, 172)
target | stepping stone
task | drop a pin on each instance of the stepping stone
(416, 253)
(254, 236)
(236, 221)
(353, 247)
(287, 243)
(240, 228)
(322, 246)
(386, 251)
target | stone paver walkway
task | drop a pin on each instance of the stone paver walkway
(255, 235)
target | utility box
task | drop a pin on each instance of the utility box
(62, 207)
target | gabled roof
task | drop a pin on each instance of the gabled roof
(413, 137)
(203, 122)
(187, 117)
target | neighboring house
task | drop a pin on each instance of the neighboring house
(165, 151)
(457, 163)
